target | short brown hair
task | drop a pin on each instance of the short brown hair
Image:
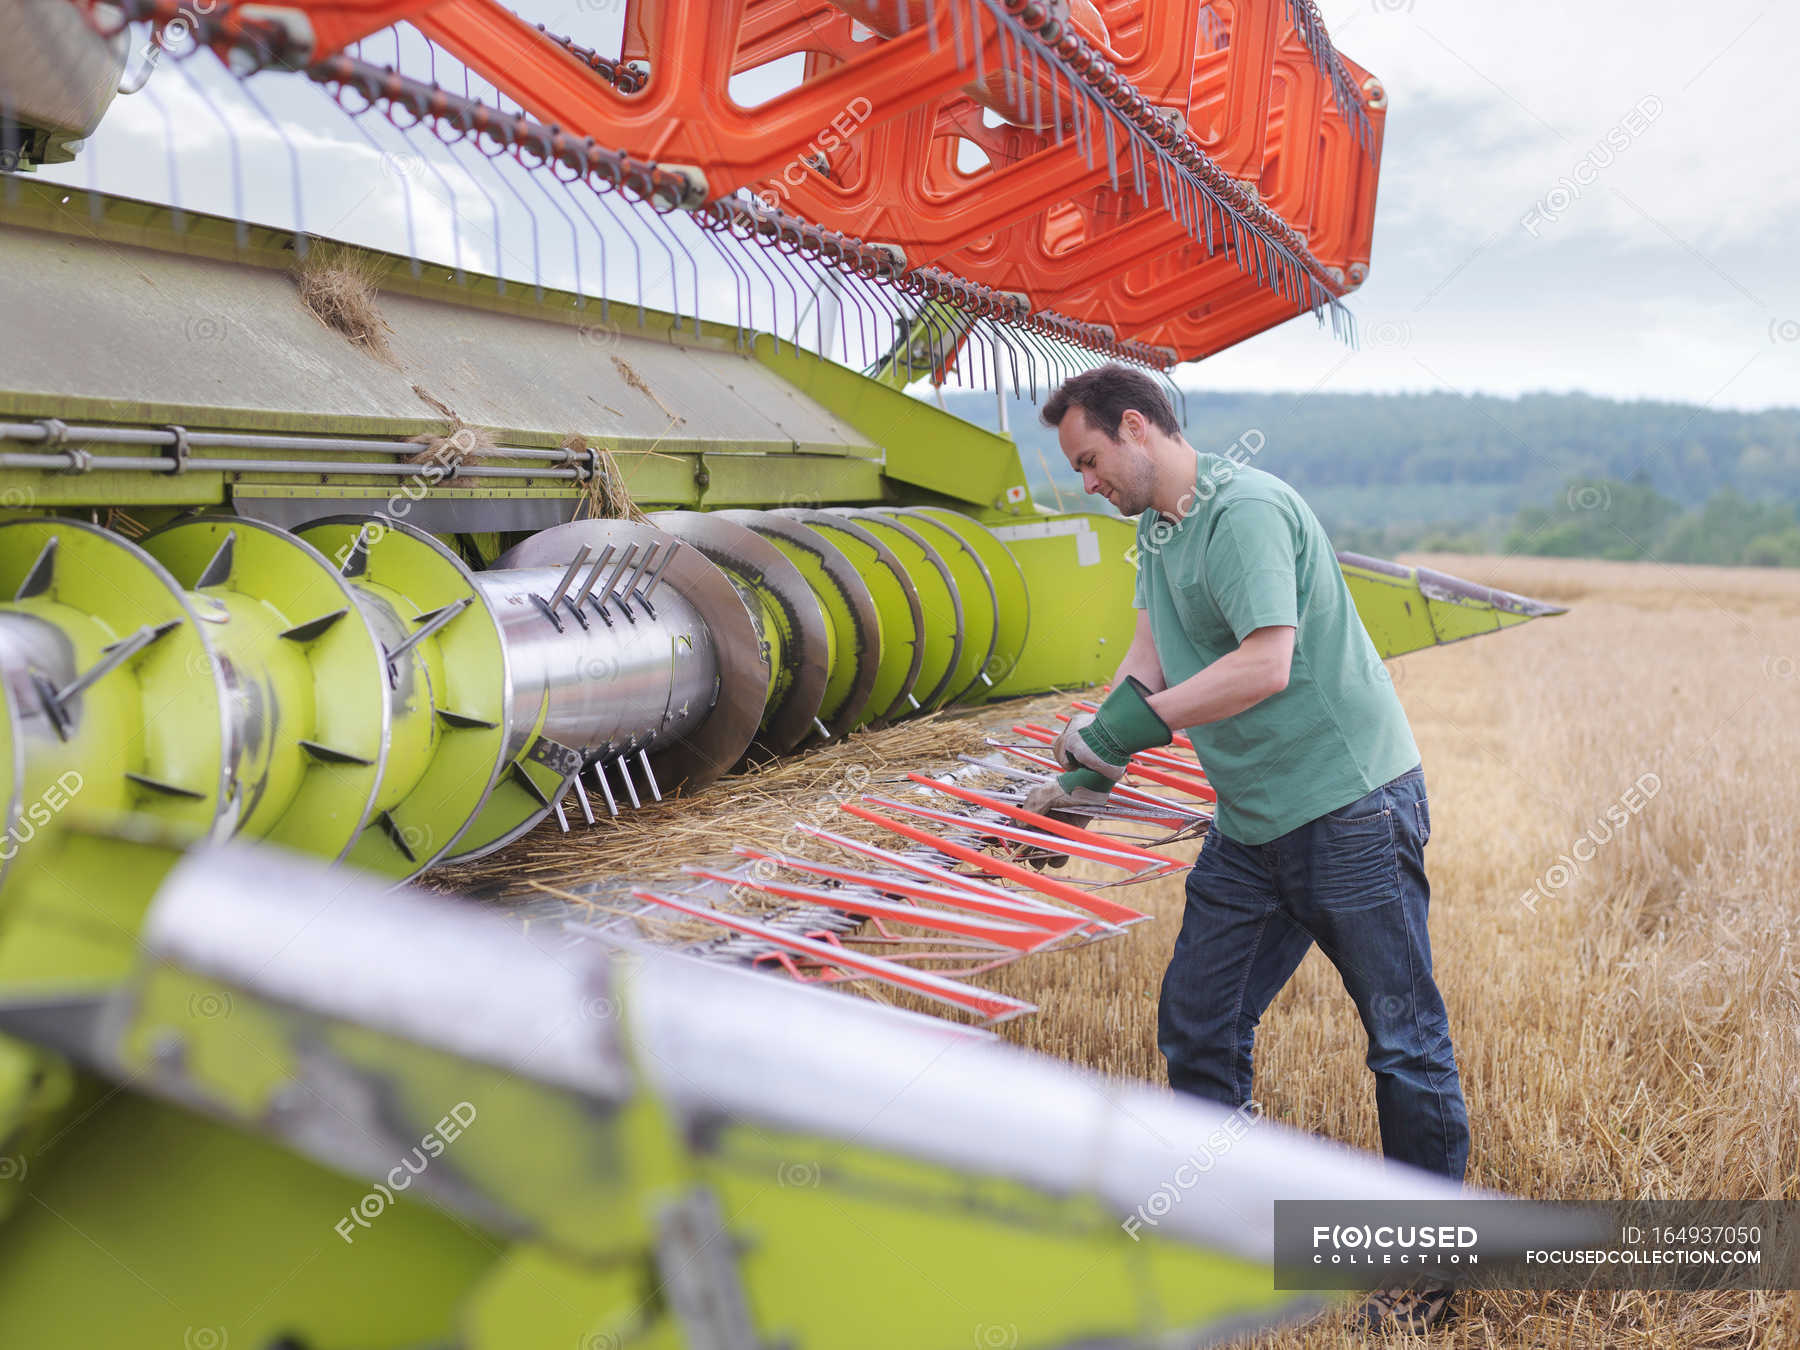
(1106, 393)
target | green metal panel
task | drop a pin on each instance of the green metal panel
(146, 1226)
(1082, 621)
(1408, 608)
(922, 446)
(207, 333)
(845, 1245)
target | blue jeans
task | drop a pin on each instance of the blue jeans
(1352, 881)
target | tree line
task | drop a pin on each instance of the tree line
(1560, 474)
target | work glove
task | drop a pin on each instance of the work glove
(1070, 797)
(1104, 742)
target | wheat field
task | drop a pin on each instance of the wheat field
(1634, 1030)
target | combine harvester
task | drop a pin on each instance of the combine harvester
(579, 474)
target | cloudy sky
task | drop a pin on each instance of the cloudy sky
(1667, 276)
(1595, 197)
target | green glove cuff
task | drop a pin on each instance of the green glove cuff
(1125, 724)
(1084, 778)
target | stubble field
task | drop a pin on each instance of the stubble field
(1624, 998)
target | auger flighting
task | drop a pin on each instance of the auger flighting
(352, 689)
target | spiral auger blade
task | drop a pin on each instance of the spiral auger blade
(354, 690)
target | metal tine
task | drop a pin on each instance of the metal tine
(971, 825)
(612, 807)
(738, 275)
(866, 320)
(658, 231)
(971, 998)
(412, 247)
(537, 179)
(593, 575)
(568, 576)
(1021, 909)
(957, 19)
(823, 286)
(881, 300)
(753, 254)
(649, 774)
(587, 809)
(918, 861)
(841, 292)
(679, 224)
(788, 267)
(241, 227)
(649, 553)
(1003, 336)
(756, 254)
(456, 150)
(975, 34)
(454, 211)
(248, 89)
(171, 162)
(537, 251)
(831, 282)
(562, 818)
(630, 787)
(802, 283)
(661, 567)
(637, 256)
(613, 580)
(1001, 766)
(997, 934)
(597, 235)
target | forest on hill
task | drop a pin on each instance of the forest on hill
(1565, 475)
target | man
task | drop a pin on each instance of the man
(1248, 640)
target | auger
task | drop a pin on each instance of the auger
(353, 690)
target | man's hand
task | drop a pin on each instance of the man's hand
(1068, 799)
(1104, 742)
(1062, 749)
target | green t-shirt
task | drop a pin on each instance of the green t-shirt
(1248, 553)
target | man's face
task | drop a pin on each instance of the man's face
(1120, 471)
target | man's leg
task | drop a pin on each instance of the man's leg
(1355, 880)
(1233, 954)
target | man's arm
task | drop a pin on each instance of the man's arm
(1141, 659)
(1240, 679)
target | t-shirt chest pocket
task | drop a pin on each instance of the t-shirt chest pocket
(1200, 616)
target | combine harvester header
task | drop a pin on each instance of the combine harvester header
(417, 425)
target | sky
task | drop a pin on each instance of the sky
(1496, 269)
(1590, 198)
